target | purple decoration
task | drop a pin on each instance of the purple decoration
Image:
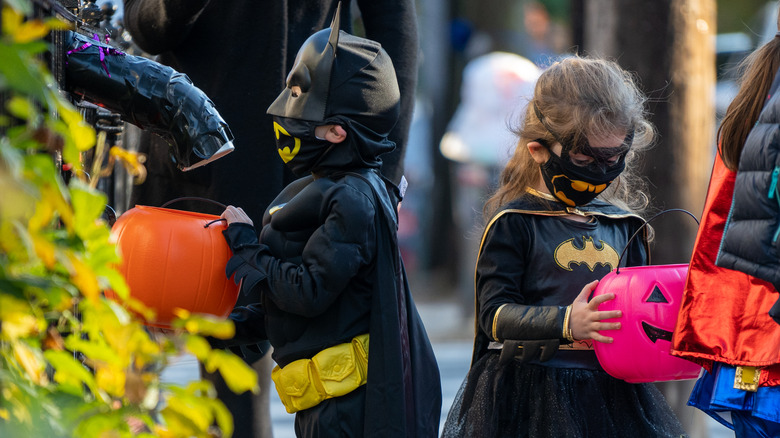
(102, 52)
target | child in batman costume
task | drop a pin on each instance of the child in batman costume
(352, 353)
(547, 242)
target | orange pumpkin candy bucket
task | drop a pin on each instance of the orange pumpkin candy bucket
(174, 259)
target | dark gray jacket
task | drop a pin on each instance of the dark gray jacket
(751, 240)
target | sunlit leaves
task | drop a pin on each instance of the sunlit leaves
(190, 414)
(133, 162)
(72, 362)
(21, 30)
(31, 362)
(18, 319)
(82, 136)
(238, 376)
(206, 325)
(70, 373)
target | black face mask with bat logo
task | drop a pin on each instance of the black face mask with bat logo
(575, 184)
(299, 148)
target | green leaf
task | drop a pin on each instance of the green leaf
(103, 424)
(21, 72)
(93, 349)
(88, 205)
(70, 371)
(22, 108)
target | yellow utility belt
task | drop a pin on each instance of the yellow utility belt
(332, 372)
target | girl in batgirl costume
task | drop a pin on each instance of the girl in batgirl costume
(546, 243)
(353, 358)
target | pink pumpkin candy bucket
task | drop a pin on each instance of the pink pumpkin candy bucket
(650, 298)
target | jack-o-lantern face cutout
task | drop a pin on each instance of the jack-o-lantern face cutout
(655, 333)
(649, 297)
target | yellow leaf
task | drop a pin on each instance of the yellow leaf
(204, 324)
(18, 319)
(223, 416)
(30, 30)
(51, 201)
(84, 278)
(164, 431)
(82, 133)
(132, 162)
(111, 379)
(33, 364)
(198, 346)
(181, 313)
(45, 250)
(238, 376)
(44, 213)
(11, 20)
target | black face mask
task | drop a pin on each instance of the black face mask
(299, 148)
(575, 184)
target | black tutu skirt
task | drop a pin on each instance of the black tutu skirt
(538, 401)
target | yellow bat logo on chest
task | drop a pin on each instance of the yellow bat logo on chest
(566, 254)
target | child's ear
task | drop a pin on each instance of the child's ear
(335, 134)
(539, 153)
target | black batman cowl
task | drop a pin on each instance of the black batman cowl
(347, 80)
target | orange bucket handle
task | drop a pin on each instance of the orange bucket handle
(193, 198)
(197, 198)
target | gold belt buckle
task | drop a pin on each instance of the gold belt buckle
(746, 378)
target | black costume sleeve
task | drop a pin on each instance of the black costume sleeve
(503, 314)
(519, 322)
(331, 258)
(248, 256)
(393, 24)
(250, 328)
(160, 25)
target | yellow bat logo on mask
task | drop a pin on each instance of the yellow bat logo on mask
(566, 254)
(285, 152)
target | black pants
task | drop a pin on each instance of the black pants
(340, 417)
(251, 413)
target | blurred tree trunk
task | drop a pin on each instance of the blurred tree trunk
(670, 46)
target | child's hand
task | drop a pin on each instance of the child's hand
(585, 319)
(235, 214)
